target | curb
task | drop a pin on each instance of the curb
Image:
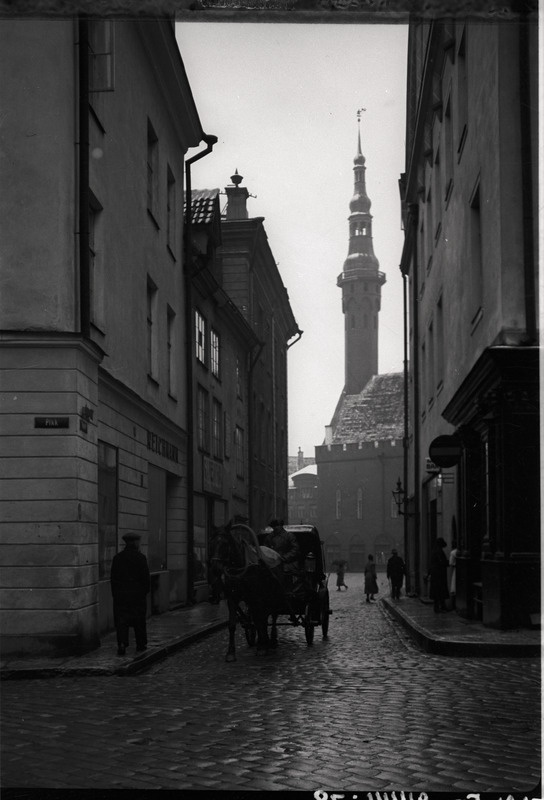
(458, 647)
(137, 665)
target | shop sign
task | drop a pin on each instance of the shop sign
(160, 446)
(212, 476)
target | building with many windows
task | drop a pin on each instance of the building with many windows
(94, 435)
(253, 282)
(361, 458)
(223, 343)
(470, 266)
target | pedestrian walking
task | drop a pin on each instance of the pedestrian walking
(371, 581)
(439, 591)
(130, 584)
(396, 570)
(340, 572)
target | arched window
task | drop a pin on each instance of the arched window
(359, 503)
(338, 504)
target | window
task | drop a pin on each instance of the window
(437, 208)
(359, 503)
(338, 504)
(170, 211)
(152, 170)
(239, 394)
(423, 377)
(448, 151)
(439, 345)
(96, 264)
(239, 450)
(217, 437)
(214, 352)
(462, 93)
(475, 256)
(200, 337)
(171, 350)
(202, 412)
(152, 343)
(101, 61)
(430, 362)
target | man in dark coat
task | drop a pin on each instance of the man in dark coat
(130, 584)
(439, 590)
(395, 572)
(285, 544)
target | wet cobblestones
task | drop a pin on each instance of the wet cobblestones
(363, 711)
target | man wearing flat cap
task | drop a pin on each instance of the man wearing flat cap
(395, 573)
(130, 584)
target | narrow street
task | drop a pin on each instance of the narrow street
(364, 710)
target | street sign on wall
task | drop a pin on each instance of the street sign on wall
(446, 451)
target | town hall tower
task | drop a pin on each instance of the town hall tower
(361, 283)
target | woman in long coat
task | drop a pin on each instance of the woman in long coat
(439, 590)
(371, 583)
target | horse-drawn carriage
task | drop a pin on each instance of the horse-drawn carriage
(258, 591)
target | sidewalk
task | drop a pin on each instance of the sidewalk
(448, 634)
(166, 633)
(442, 634)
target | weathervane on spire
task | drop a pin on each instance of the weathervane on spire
(359, 113)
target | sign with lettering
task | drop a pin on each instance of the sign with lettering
(52, 422)
(212, 476)
(163, 448)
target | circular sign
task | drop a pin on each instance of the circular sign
(446, 451)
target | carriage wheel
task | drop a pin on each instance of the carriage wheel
(251, 634)
(308, 625)
(325, 614)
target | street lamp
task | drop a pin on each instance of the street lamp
(398, 496)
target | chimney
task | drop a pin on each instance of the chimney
(328, 434)
(236, 198)
(300, 459)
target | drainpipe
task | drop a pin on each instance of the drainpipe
(189, 355)
(84, 258)
(527, 177)
(415, 356)
(406, 431)
(250, 437)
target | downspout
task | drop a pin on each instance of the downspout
(189, 355)
(274, 443)
(527, 178)
(415, 357)
(84, 256)
(250, 417)
(405, 441)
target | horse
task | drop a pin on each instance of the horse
(238, 567)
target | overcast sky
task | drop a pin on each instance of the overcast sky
(282, 100)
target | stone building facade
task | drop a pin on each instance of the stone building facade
(253, 282)
(94, 422)
(470, 266)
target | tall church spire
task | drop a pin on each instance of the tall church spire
(361, 283)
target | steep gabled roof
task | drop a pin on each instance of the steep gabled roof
(375, 414)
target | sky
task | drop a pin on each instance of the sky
(283, 100)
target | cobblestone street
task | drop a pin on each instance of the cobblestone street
(364, 710)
